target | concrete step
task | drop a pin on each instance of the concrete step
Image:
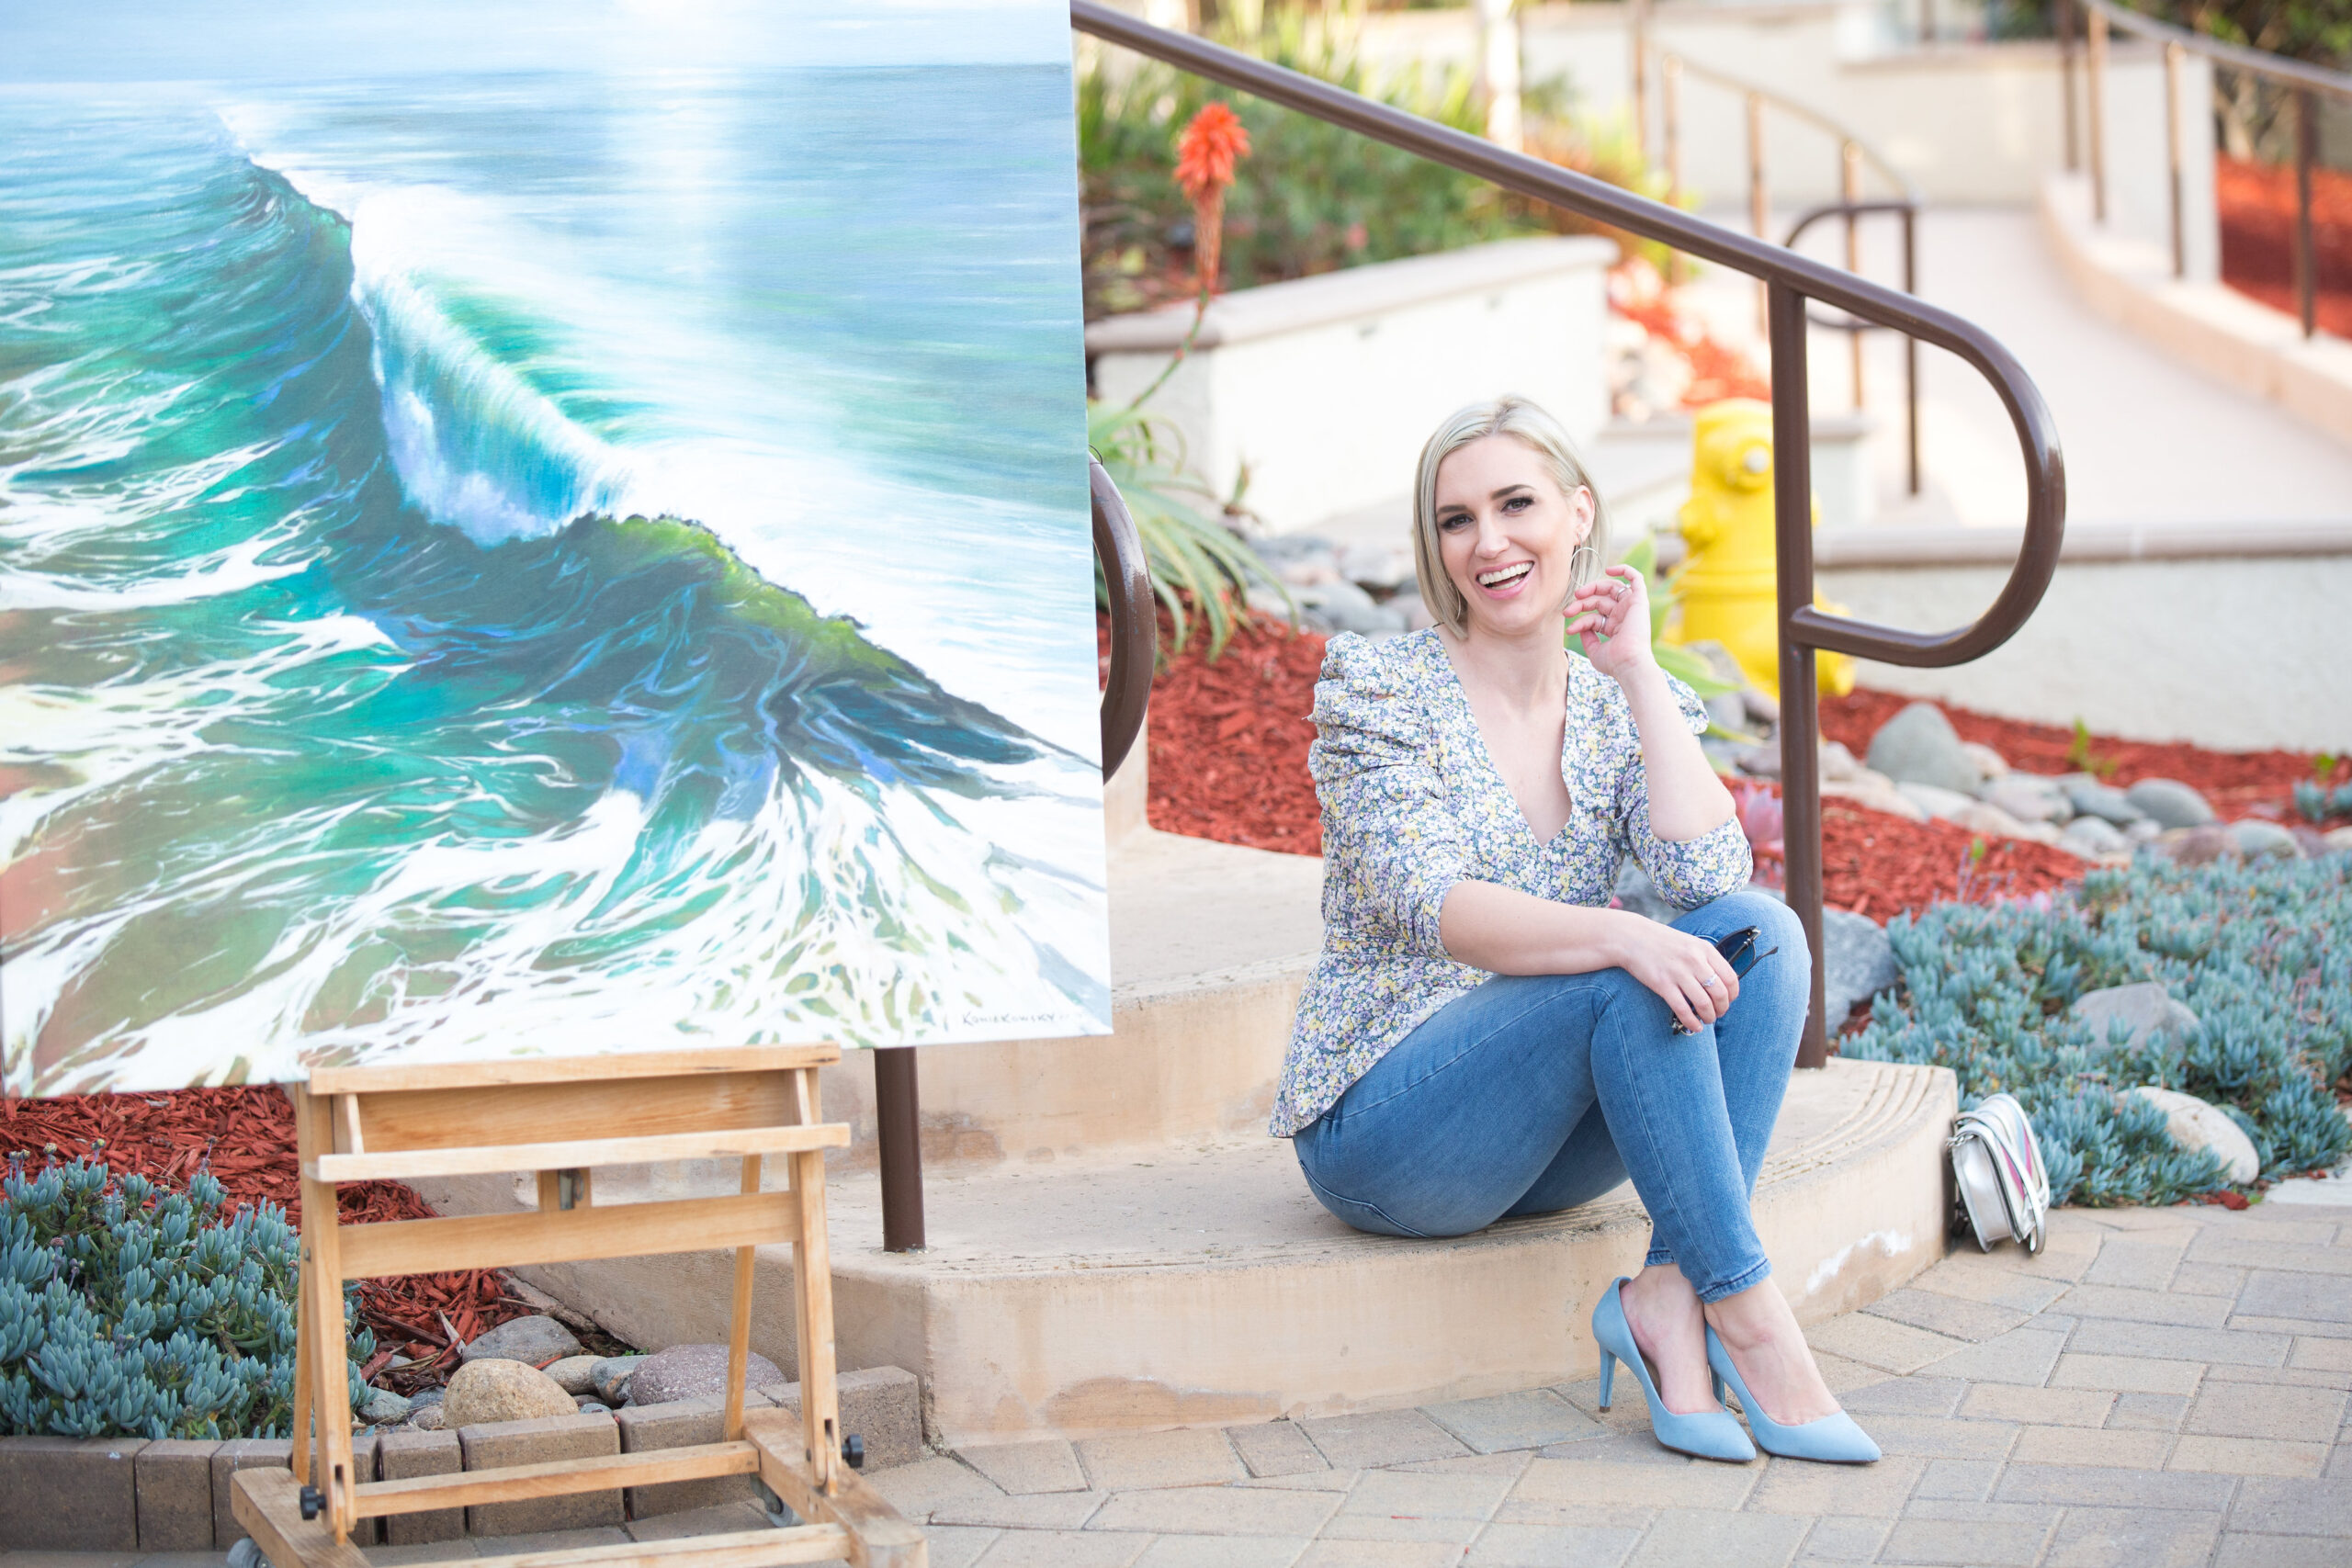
(1201, 1284)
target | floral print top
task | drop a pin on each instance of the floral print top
(1413, 803)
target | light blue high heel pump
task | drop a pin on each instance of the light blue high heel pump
(1832, 1439)
(1709, 1434)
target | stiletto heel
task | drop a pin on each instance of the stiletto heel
(1832, 1439)
(1708, 1434)
(1716, 1382)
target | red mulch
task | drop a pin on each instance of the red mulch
(2258, 213)
(246, 1137)
(1228, 762)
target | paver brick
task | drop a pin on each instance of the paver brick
(2321, 1355)
(2273, 1293)
(954, 1546)
(881, 1405)
(1064, 1548)
(1705, 1538)
(2293, 1508)
(404, 1456)
(2207, 1279)
(1033, 1510)
(678, 1423)
(2113, 1336)
(1451, 1497)
(1386, 1436)
(1844, 1541)
(2133, 1537)
(1323, 1480)
(1958, 1480)
(1976, 1277)
(1687, 1483)
(490, 1445)
(2248, 1456)
(916, 1489)
(1048, 1466)
(1800, 1487)
(2265, 1410)
(1914, 1395)
(1550, 1546)
(1218, 1510)
(2094, 1486)
(2129, 1374)
(1981, 1535)
(568, 1541)
(2134, 1306)
(1401, 1527)
(1381, 1554)
(2262, 1252)
(174, 1481)
(2075, 1445)
(1932, 1438)
(70, 1494)
(2041, 1406)
(1219, 1551)
(1507, 1464)
(725, 1519)
(1502, 1422)
(2144, 1263)
(2149, 1412)
(2022, 1355)
(2278, 1551)
(1275, 1448)
(1953, 1316)
(1881, 1342)
(1185, 1457)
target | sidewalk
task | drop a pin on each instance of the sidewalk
(2159, 1389)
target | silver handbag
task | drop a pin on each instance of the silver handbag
(1997, 1165)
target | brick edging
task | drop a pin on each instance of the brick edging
(133, 1494)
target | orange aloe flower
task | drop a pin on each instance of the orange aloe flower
(1208, 147)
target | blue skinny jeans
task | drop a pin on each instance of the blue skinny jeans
(1535, 1093)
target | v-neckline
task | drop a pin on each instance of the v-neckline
(1487, 755)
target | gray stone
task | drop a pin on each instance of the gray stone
(1936, 800)
(1377, 566)
(2199, 846)
(1858, 963)
(428, 1418)
(1917, 746)
(2145, 1008)
(533, 1340)
(491, 1390)
(2029, 799)
(497, 1445)
(2091, 798)
(1637, 893)
(1343, 607)
(1725, 711)
(2170, 803)
(2195, 1124)
(2257, 839)
(573, 1372)
(384, 1406)
(692, 1371)
(610, 1377)
(2092, 838)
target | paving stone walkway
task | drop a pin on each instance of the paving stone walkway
(2159, 1389)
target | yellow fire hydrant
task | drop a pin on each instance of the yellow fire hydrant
(1726, 590)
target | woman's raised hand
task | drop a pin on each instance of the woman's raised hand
(1612, 611)
(1685, 970)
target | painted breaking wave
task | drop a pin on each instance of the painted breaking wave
(364, 701)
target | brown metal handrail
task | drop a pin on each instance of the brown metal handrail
(1791, 279)
(2306, 81)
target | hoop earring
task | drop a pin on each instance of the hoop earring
(1582, 562)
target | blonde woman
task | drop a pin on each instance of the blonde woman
(1481, 1035)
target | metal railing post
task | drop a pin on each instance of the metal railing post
(897, 1129)
(1800, 694)
(1849, 184)
(2098, 116)
(2066, 81)
(2174, 56)
(2306, 258)
(1911, 347)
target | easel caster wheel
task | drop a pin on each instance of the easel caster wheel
(315, 1502)
(854, 1452)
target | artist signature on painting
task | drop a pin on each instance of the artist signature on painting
(1010, 1020)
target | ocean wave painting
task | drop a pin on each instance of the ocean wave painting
(539, 530)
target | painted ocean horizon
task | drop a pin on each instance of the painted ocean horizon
(541, 562)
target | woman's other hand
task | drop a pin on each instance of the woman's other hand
(1612, 612)
(1686, 973)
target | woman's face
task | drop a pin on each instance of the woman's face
(1506, 536)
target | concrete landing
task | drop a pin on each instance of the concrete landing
(1202, 1285)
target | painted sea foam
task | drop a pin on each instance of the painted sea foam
(522, 567)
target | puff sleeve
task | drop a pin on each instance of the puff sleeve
(1696, 871)
(1390, 833)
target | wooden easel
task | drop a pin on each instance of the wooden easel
(553, 1116)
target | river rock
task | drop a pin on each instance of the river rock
(693, 1371)
(572, 1373)
(2195, 1124)
(1990, 764)
(2028, 798)
(1299, 560)
(2256, 840)
(2145, 1009)
(2093, 838)
(1838, 763)
(2170, 803)
(533, 1340)
(1377, 566)
(1917, 746)
(428, 1418)
(1344, 607)
(2199, 846)
(383, 1406)
(1635, 892)
(2338, 840)
(1858, 963)
(1874, 789)
(2091, 798)
(1935, 801)
(610, 1377)
(489, 1389)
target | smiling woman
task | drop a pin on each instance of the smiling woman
(1481, 1035)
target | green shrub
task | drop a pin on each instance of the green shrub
(2261, 952)
(128, 1310)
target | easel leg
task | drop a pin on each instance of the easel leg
(738, 1327)
(323, 1321)
(812, 1303)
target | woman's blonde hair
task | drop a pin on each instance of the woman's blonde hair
(1523, 421)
